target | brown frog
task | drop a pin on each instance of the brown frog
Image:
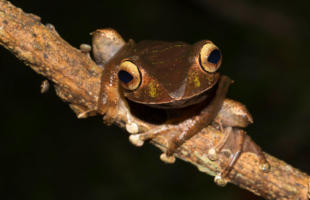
(181, 79)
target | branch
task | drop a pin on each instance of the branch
(77, 81)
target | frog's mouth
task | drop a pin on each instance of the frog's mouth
(158, 113)
(183, 103)
(177, 104)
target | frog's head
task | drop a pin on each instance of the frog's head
(163, 74)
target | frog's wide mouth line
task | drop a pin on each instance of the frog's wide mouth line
(147, 113)
(177, 104)
(158, 114)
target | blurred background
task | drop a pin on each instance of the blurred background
(47, 153)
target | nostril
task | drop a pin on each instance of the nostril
(214, 56)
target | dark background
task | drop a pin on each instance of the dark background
(46, 153)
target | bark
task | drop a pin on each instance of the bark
(77, 81)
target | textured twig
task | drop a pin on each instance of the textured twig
(77, 81)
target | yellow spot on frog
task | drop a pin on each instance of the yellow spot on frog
(152, 90)
(196, 82)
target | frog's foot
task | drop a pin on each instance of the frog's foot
(235, 142)
(175, 136)
(251, 146)
(138, 140)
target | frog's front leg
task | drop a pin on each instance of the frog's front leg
(192, 126)
(188, 128)
(107, 101)
(109, 97)
(107, 44)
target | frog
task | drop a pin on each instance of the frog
(179, 78)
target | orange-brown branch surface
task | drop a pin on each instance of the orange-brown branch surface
(77, 81)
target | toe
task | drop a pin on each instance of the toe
(135, 140)
(167, 159)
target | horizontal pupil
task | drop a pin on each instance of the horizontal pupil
(214, 56)
(124, 76)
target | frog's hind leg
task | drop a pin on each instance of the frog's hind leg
(235, 141)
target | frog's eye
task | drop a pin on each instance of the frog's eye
(129, 75)
(210, 57)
